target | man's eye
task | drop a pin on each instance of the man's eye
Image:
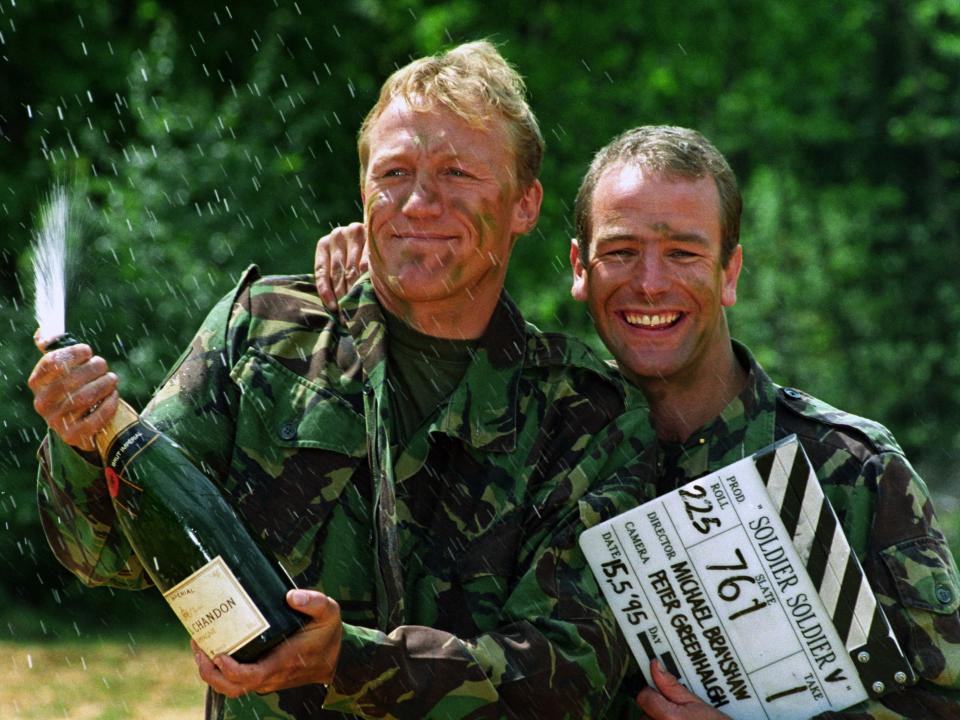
(395, 172)
(682, 254)
(457, 172)
(619, 253)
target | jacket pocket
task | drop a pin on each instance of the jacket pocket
(924, 574)
(297, 412)
(298, 448)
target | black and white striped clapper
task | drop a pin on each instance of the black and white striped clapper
(833, 567)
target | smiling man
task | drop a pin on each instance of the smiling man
(657, 260)
(444, 201)
(657, 272)
(418, 461)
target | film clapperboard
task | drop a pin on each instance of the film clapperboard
(744, 586)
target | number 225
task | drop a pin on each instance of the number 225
(697, 511)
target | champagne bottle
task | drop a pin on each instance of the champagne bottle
(229, 594)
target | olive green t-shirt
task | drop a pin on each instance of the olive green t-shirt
(422, 371)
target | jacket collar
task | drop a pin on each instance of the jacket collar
(483, 410)
(744, 426)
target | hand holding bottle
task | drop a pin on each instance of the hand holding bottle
(307, 657)
(226, 590)
(74, 392)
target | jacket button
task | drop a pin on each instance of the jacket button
(288, 431)
(791, 393)
(944, 594)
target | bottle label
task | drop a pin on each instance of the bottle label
(216, 610)
(125, 447)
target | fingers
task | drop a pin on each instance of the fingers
(212, 673)
(654, 705)
(321, 274)
(309, 656)
(41, 342)
(239, 678)
(319, 652)
(673, 700)
(358, 257)
(349, 255)
(365, 254)
(56, 363)
(80, 431)
(669, 686)
(75, 393)
(339, 259)
(323, 609)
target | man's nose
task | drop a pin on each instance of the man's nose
(424, 198)
(651, 275)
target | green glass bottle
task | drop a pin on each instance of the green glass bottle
(229, 594)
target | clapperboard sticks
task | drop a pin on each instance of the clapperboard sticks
(833, 567)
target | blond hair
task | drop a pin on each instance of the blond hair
(475, 82)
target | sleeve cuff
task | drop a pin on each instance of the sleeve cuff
(81, 466)
(344, 691)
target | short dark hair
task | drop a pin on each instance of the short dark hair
(675, 152)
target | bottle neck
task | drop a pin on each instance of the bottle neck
(121, 420)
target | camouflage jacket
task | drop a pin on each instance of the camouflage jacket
(454, 559)
(886, 513)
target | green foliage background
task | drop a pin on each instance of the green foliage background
(208, 136)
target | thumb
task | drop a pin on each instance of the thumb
(318, 606)
(669, 686)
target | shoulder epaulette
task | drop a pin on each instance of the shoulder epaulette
(248, 276)
(551, 348)
(270, 284)
(817, 410)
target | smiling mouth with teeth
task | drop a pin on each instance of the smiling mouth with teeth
(651, 322)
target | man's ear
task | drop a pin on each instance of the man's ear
(526, 211)
(731, 274)
(579, 287)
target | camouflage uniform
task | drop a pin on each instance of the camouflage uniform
(454, 559)
(886, 514)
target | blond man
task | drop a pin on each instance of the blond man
(418, 460)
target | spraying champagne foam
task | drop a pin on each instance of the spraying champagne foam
(49, 265)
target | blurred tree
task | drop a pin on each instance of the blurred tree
(209, 137)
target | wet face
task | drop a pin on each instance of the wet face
(654, 281)
(441, 207)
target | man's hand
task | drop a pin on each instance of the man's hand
(341, 257)
(74, 392)
(310, 656)
(674, 701)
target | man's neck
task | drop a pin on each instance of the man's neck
(680, 406)
(459, 319)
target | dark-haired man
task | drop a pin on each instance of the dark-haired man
(657, 259)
